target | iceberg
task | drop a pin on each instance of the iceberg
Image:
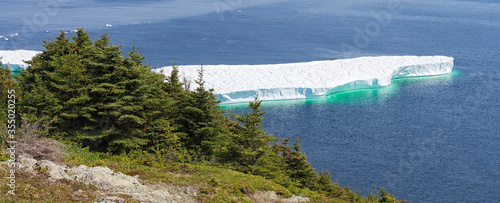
(15, 59)
(241, 83)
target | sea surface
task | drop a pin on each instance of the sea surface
(426, 139)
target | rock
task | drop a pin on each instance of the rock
(110, 183)
(294, 199)
(55, 171)
(112, 199)
(25, 163)
(105, 178)
(271, 196)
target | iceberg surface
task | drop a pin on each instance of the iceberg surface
(241, 83)
(17, 57)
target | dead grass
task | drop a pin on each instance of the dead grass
(30, 142)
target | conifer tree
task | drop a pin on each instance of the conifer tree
(6, 85)
(211, 120)
(272, 166)
(298, 168)
(160, 128)
(252, 142)
(100, 98)
(174, 85)
(200, 117)
(53, 83)
(181, 99)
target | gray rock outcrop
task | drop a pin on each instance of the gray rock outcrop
(110, 183)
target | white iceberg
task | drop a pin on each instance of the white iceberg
(241, 83)
(17, 57)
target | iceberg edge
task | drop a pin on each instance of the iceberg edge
(303, 93)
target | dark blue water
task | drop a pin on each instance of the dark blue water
(432, 139)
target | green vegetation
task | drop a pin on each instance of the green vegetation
(114, 111)
(6, 83)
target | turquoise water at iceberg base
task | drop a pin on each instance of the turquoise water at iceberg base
(426, 139)
(366, 96)
(15, 68)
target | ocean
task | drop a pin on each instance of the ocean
(426, 139)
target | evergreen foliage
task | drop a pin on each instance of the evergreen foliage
(6, 83)
(101, 99)
(197, 116)
(297, 167)
(209, 119)
(252, 142)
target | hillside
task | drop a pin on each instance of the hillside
(142, 135)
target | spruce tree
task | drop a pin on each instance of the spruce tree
(160, 128)
(252, 142)
(174, 85)
(53, 84)
(200, 117)
(211, 120)
(181, 97)
(7, 84)
(104, 100)
(299, 169)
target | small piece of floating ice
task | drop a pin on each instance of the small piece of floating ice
(241, 83)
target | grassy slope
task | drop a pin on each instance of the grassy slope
(214, 184)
